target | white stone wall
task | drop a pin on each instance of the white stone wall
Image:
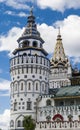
(59, 77)
(29, 71)
(52, 110)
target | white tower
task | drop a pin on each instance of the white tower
(60, 66)
(29, 69)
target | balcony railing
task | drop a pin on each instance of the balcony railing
(58, 125)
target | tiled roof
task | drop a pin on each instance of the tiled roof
(68, 91)
(65, 91)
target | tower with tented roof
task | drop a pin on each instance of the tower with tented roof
(29, 70)
(60, 68)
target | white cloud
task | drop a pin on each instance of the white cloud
(9, 12)
(21, 14)
(70, 31)
(17, 4)
(48, 34)
(5, 119)
(4, 84)
(9, 42)
(59, 5)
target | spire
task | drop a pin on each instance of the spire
(31, 11)
(59, 53)
(59, 31)
(59, 34)
(31, 17)
(31, 28)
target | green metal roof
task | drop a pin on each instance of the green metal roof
(68, 91)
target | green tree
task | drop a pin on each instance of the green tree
(29, 123)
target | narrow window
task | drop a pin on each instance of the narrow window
(15, 87)
(36, 59)
(41, 60)
(43, 87)
(12, 123)
(48, 102)
(36, 86)
(29, 103)
(29, 86)
(34, 44)
(22, 59)
(15, 106)
(25, 44)
(40, 70)
(19, 123)
(21, 86)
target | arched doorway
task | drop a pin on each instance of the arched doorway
(57, 117)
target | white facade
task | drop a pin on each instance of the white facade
(29, 69)
(34, 78)
(50, 108)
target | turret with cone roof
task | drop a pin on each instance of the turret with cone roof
(31, 29)
(30, 32)
(59, 56)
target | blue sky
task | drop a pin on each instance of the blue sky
(50, 14)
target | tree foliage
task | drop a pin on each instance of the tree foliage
(29, 123)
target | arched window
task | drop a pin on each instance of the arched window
(34, 44)
(29, 86)
(48, 102)
(61, 103)
(36, 86)
(12, 123)
(29, 105)
(19, 123)
(21, 86)
(15, 87)
(25, 44)
(22, 123)
(43, 87)
(15, 106)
